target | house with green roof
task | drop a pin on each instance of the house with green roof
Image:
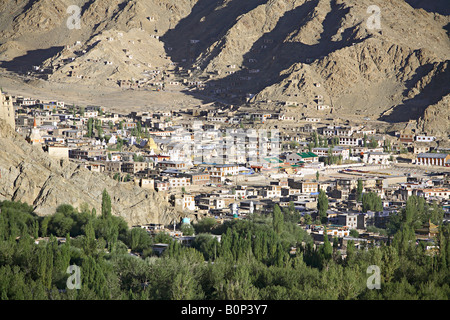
(302, 157)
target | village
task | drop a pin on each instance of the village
(227, 162)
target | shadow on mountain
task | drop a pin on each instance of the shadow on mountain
(270, 54)
(26, 7)
(414, 108)
(206, 24)
(436, 6)
(31, 58)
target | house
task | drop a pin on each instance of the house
(178, 182)
(336, 151)
(220, 172)
(344, 131)
(434, 193)
(406, 137)
(312, 119)
(91, 114)
(185, 202)
(161, 185)
(304, 186)
(421, 147)
(147, 183)
(350, 141)
(197, 179)
(329, 131)
(133, 167)
(351, 220)
(382, 219)
(307, 157)
(113, 166)
(271, 192)
(421, 138)
(376, 158)
(309, 127)
(178, 165)
(207, 203)
(286, 117)
(251, 206)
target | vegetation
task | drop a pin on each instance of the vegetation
(322, 206)
(359, 190)
(371, 202)
(251, 261)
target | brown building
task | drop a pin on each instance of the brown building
(407, 137)
(134, 167)
(113, 166)
(197, 179)
(304, 186)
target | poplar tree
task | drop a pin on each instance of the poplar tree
(359, 190)
(278, 219)
(106, 205)
(322, 206)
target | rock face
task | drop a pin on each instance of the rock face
(29, 175)
(436, 118)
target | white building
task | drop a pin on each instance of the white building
(376, 158)
(425, 138)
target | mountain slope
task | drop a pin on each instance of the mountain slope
(277, 50)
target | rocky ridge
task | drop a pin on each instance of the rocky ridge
(29, 175)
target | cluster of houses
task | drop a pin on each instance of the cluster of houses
(211, 161)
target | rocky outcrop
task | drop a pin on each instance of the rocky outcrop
(436, 119)
(29, 175)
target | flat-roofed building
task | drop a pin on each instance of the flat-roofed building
(113, 166)
(432, 159)
(133, 167)
(198, 178)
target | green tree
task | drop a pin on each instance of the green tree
(106, 205)
(322, 206)
(89, 241)
(308, 219)
(353, 233)
(326, 248)
(278, 219)
(371, 202)
(187, 229)
(205, 225)
(90, 128)
(359, 190)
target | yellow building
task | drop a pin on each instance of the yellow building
(152, 146)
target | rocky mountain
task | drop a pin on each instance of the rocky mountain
(27, 174)
(301, 51)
